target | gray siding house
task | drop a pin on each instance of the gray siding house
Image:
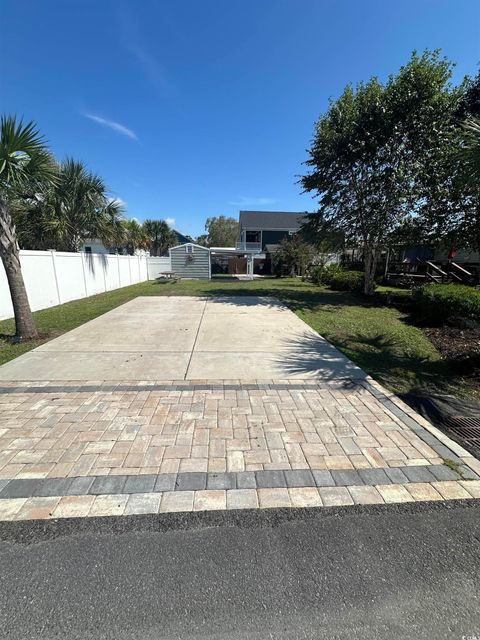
(263, 230)
(190, 261)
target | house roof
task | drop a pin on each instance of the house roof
(182, 238)
(272, 219)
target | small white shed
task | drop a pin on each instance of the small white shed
(191, 261)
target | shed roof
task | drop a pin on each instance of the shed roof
(178, 246)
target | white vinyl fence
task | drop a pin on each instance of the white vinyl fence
(54, 277)
(155, 266)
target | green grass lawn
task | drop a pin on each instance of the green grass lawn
(377, 338)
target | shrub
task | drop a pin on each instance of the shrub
(439, 302)
(347, 281)
(323, 274)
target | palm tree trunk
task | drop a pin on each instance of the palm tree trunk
(10, 255)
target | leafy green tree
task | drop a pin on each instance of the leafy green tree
(221, 231)
(25, 165)
(76, 208)
(160, 237)
(378, 149)
(292, 257)
(322, 234)
(202, 240)
(470, 152)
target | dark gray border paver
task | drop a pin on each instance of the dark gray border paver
(270, 479)
(299, 478)
(140, 484)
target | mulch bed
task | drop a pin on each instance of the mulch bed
(455, 342)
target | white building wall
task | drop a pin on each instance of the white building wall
(54, 277)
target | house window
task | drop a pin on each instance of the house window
(88, 249)
(253, 236)
(189, 248)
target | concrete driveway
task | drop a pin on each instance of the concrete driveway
(187, 338)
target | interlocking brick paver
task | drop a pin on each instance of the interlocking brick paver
(282, 438)
(274, 498)
(108, 505)
(418, 474)
(304, 425)
(246, 480)
(270, 479)
(472, 487)
(9, 508)
(396, 476)
(107, 485)
(73, 507)
(394, 493)
(38, 508)
(423, 491)
(177, 501)
(80, 486)
(450, 490)
(52, 487)
(346, 477)
(365, 495)
(323, 478)
(299, 478)
(374, 476)
(139, 503)
(242, 499)
(165, 482)
(191, 481)
(335, 496)
(210, 500)
(305, 497)
(140, 483)
(221, 481)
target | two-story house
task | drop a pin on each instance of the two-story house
(262, 232)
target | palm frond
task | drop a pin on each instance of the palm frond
(24, 157)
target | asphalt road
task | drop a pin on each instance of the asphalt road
(407, 571)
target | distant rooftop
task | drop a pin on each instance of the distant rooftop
(272, 219)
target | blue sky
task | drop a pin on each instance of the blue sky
(201, 108)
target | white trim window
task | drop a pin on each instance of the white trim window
(189, 248)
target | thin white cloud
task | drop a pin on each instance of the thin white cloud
(135, 41)
(151, 67)
(170, 222)
(111, 124)
(252, 202)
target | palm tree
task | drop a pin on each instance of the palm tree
(160, 236)
(77, 208)
(25, 163)
(135, 236)
(470, 152)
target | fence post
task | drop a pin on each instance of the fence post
(82, 253)
(54, 264)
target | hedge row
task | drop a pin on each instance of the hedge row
(439, 302)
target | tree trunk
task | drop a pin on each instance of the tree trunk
(10, 255)
(370, 260)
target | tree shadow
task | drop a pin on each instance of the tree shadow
(90, 260)
(295, 299)
(379, 356)
(310, 355)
